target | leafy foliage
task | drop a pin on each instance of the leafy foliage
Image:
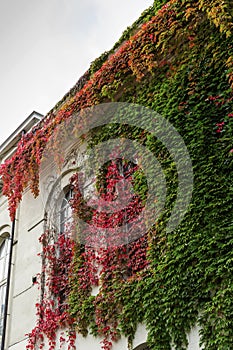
(179, 63)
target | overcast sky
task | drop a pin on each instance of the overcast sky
(47, 45)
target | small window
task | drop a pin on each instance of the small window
(4, 260)
(66, 211)
(1, 186)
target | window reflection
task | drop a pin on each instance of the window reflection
(66, 211)
(4, 259)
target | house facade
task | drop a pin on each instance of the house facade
(19, 285)
(33, 216)
(124, 189)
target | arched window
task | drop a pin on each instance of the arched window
(66, 210)
(4, 259)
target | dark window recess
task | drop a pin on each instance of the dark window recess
(143, 346)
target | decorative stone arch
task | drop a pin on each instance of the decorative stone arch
(4, 233)
(5, 236)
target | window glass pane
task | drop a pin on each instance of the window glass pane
(2, 249)
(66, 211)
(1, 268)
(5, 272)
(4, 258)
(2, 303)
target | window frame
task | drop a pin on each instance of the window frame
(4, 259)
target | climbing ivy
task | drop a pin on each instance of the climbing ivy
(178, 61)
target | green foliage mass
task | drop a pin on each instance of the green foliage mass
(190, 278)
